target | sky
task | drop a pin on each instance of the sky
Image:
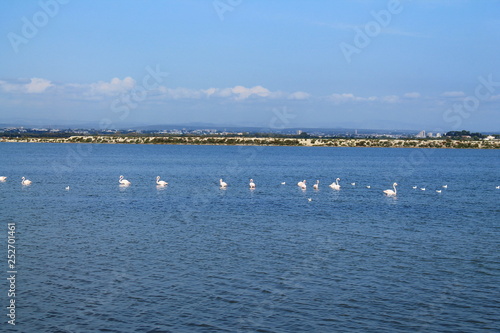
(420, 64)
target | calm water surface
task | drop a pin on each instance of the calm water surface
(194, 258)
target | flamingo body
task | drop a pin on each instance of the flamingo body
(335, 185)
(124, 182)
(160, 182)
(25, 181)
(392, 192)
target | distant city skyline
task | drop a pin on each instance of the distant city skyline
(406, 65)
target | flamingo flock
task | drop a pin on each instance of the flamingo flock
(223, 185)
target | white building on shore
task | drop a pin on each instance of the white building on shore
(420, 134)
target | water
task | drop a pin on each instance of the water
(194, 258)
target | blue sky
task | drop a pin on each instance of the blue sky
(360, 64)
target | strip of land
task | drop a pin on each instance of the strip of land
(269, 141)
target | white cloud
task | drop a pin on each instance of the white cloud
(181, 93)
(241, 92)
(9, 87)
(237, 93)
(114, 87)
(210, 91)
(35, 86)
(412, 95)
(299, 95)
(347, 98)
(390, 99)
(344, 98)
(453, 94)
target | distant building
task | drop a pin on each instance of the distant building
(299, 132)
(430, 134)
(438, 135)
(421, 134)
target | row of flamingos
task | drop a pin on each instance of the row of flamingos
(336, 186)
(302, 184)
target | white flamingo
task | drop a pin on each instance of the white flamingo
(316, 186)
(414, 187)
(392, 192)
(283, 183)
(67, 188)
(498, 187)
(124, 182)
(302, 184)
(251, 184)
(222, 183)
(445, 186)
(368, 186)
(160, 182)
(335, 185)
(3, 178)
(422, 188)
(438, 191)
(353, 184)
(25, 181)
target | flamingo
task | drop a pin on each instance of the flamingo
(67, 188)
(302, 184)
(160, 182)
(392, 192)
(438, 191)
(422, 188)
(25, 181)
(283, 183)
(316, 186)
(335, 185)
(3, 178)
(124, 182)
(414, 187)
(222, 183)
(251, 184)
(445, 186)
(368, 186)
(498, 187)
(353, 184)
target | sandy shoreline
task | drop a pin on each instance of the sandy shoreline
(253, 141)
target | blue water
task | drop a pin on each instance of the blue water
(194, 258)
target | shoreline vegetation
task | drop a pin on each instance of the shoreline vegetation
(265, 141)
